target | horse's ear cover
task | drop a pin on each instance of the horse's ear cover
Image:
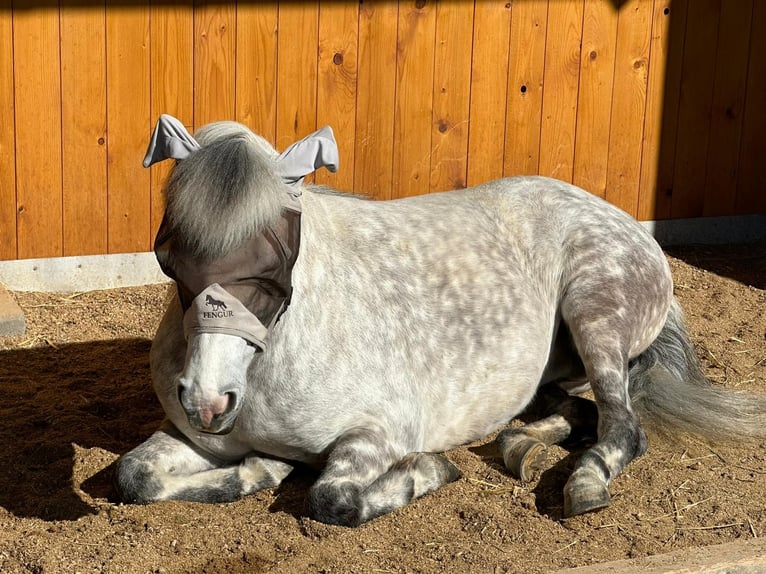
(171, 140)
(308, 155)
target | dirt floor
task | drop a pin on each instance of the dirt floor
(76, 394)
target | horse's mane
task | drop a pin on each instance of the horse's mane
(224, 192)
(324, 190)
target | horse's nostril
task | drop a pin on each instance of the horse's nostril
(181, 391)
(232, 402)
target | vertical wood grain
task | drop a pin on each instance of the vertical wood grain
(336, 89)
(128, 123)
(722, 163)
(7, 137)
(215, 32)
(629, 104)
(666, 121)
(489, 86)
(256, 74)
(37, 83)
(172, 82)
(560, 85)
(529, 25)
(414, 98)
(376, 89)
(663, 87)
(296, 71)
(594, 102)
(751, 186)
(451, 99)
(696, 101)
(83, 128)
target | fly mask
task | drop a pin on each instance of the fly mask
(245, 291)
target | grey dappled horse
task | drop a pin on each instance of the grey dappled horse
(413, 326)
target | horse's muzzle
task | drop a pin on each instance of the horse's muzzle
(215, 415)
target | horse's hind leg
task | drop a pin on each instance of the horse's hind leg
(602, 331)
(367, 476)
(524, 449)
(168, 467)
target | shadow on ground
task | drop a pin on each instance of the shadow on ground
(743, 263)
(95, 394)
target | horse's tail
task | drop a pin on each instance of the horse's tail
(670, 393)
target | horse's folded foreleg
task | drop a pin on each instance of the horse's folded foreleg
(168, 467)
(357, 458)
(414, 475)
(367, 475)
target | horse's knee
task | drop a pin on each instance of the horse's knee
(135, 480)
(335, 503)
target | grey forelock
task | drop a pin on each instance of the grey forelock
(222, 194)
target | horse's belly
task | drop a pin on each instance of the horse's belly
(489, 395)
(473, 418)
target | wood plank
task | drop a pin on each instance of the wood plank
(594, 102)
(7, 137)
(489, 86)
(297, 71)
(172, 82)
(661, 117)
(414, 98)
(215, 34)
(256, 74)
(128, 121)
(529, 27)
(561, 80)
(37, 80)
(629, 104)
(336, 89)
(728, 103)
(376, 91)
(452, 93)
(751, 185)
(83, 126)
(742, 557)
(697, 79)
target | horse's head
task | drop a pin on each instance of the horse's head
(214, 381)
(229, 239)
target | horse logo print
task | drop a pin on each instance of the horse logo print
(215, 303)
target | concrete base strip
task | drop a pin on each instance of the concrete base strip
(743, 557)
(11, 317)
(709, 230)
(84, 273)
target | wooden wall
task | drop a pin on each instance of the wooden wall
(657, 105)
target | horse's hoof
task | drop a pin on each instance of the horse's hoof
(446, 470)
(524, 457)
(583, 493)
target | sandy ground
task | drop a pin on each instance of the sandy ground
(76, 394)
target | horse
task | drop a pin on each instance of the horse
(403, 329)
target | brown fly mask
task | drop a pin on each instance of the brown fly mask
(243, 290)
